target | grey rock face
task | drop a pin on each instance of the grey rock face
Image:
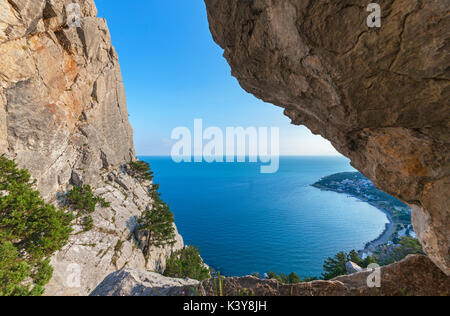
(381, 96)
(63, 116)
(352, 267)
(63, 102)
(110, 246)
(137, 283)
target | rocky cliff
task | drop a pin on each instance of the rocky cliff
(380, 95)
(63, 116)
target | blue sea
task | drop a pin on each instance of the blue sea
(246, 222)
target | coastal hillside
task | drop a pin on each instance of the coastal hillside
(63, 116)
(357, 185)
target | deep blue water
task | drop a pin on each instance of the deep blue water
(246, 222)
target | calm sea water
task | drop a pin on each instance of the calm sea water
(246, 222)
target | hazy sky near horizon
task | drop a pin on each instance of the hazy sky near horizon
(174, 73)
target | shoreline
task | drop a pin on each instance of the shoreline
(384, 236)
(387, 233)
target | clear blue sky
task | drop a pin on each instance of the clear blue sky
(174, 73)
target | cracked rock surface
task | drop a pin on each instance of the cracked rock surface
(381, 96)
(130, 282)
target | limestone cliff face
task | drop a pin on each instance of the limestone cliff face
(63, 104)
(381, 96)
(63, 116)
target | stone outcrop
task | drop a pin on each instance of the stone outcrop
(414, 276)
(63, 116)
(352, 267)
(138, 283)
(380, 95)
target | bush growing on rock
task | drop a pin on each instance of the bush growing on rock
(31, 231)
(187, 263)
(83, 200)
(142, 170)
(292, 278)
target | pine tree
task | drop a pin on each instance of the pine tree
(157, 223)
(335, 266)
(83, 201)
(141, 170)
(293, 278)
(30, 232)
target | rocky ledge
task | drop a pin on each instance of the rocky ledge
(414, 276)
(138, 283)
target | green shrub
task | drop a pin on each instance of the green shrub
(141, 170)
(83, 200)
(157, 223)
(187, 263)
(31, 231)
(292, 278)
(310, 279)
(88, 223)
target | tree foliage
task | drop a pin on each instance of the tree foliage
(141, 169)
(83, 200)
(406, 246)
(187, 263)
(30, 232)
(292, 278)
(157, 223)
(335, 266)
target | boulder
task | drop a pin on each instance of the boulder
(352, 267)
(139, 283)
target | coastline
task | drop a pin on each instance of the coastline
(386, 235)
(388, 231)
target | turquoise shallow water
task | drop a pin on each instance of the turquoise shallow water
(246, 222)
